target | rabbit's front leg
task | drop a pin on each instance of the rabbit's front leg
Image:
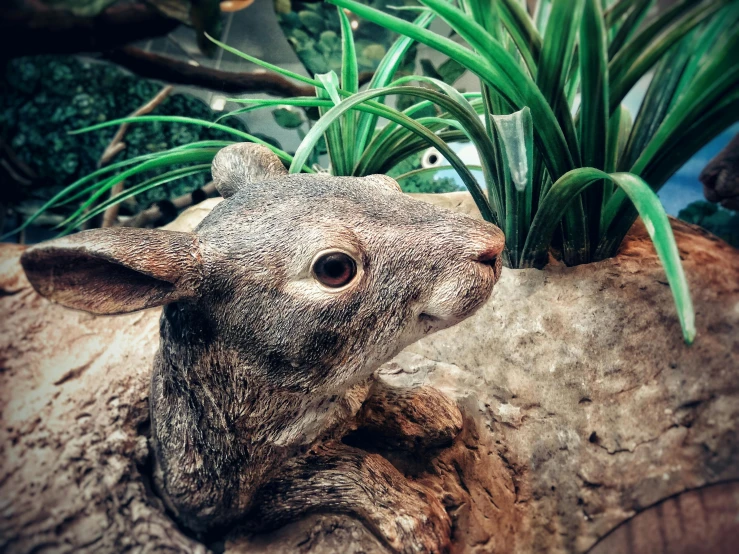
(334, 477)
(411, 418)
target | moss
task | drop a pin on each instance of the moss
(722, 223)
(45, 97)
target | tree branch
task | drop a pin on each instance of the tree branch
(170, 70)
(36, 29)
(33, 29)
(116, 145)
(154, 214)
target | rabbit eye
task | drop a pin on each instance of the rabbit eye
(334, 269)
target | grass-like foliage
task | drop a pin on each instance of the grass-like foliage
(565, 169)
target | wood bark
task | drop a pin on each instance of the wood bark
(588, 424)
(720, 177)
(30, 28)
(170, 70)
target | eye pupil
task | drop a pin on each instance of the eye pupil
(335, 269)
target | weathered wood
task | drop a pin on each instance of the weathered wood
(720, 177)
(582, 408)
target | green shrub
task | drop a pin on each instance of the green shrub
(719, 221)
(551, 177)
(45, 97)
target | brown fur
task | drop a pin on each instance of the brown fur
(261, 370)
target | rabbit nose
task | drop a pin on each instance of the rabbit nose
(489, 247)
(488, 257)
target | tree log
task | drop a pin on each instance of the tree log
(720, 177)
(170, 70)
(588, 423)
(32, 28)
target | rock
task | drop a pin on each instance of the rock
(720, 177)
(583, 409)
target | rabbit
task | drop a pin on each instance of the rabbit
(277, 311)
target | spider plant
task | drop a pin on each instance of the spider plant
(565, 169)
(553, 181)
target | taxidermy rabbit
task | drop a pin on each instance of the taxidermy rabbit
(278, 309)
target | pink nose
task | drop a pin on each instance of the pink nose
(490, 244)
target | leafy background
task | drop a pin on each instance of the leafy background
(43, 98)
(314, 32)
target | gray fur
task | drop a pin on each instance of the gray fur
(260, 368)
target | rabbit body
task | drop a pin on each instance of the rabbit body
(262, 366)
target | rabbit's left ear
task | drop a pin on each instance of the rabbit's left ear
(115, 271)
(238, 165)
(385, 182)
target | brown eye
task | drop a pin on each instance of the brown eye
(334, 269)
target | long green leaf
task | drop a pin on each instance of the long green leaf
(190, 120)
(384, 74)
(516, 89)
(413, 147)
(516, 134)
(648, 46)
(553, 68)
(494, 53)
(657, 101)
(76, 191)
(554, 63)
(138, 189)
(710, 39)
(349, 72)
(265, 65)
(621, 214)
(322, 124)
(593, 107)
(619, 129)
(633, 20)
(337, 149)
(385, 144)
(350, 83)
(449, 90)
(163, 157)
(202, 155)
(541, 15)
(616, 11)
(523, 31)
(571, 185)
(719, 78)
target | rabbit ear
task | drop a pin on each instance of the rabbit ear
(385, 182)
(115, 271)
(238, 165)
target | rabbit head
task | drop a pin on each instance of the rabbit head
(312, 281)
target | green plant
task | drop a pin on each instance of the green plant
(313, 29)
(582, 178)
(555, 181)
(721, 222)
(42, 98)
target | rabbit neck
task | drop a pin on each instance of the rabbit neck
(202, 379)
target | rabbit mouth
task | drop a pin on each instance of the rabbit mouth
(495, 263)
(457, 299)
